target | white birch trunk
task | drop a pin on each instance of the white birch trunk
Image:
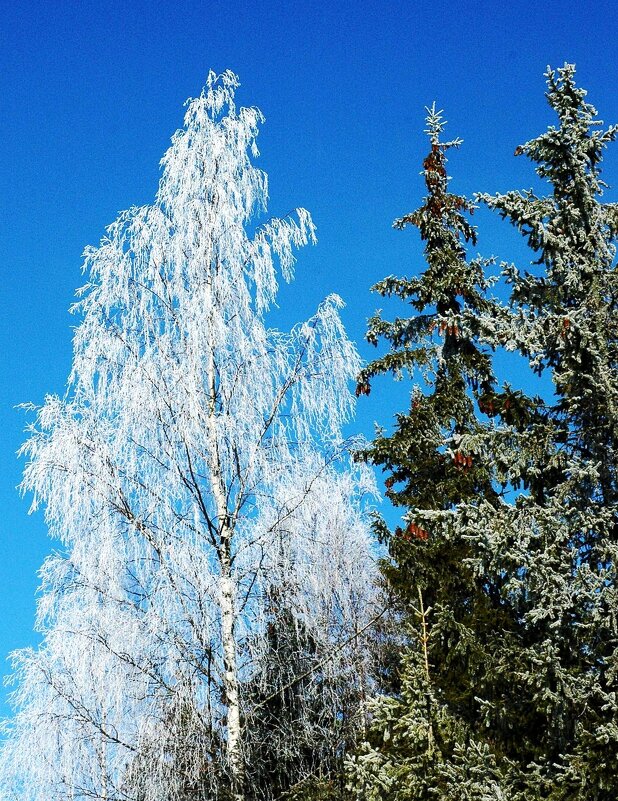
(227, 593)
(230, 675)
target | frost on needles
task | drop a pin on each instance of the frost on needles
(504, 570)
(209, 516)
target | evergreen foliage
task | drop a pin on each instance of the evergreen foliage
(506, 569)
(289, 686)
(565, 320)
(437, 467)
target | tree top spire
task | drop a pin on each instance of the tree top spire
(436, 123)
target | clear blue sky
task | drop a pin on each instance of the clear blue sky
(92, 91)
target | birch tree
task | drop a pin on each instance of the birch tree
(195, 465)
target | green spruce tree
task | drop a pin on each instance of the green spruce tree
(292, 698)
(565, 320)
(505, 572)
(440, 471)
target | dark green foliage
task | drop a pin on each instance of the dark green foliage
(565, 319)
(505, 565)
(439, 463)
(294, 700)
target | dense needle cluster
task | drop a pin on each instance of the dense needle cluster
(506, 572)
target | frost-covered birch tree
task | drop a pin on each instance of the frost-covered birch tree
(194, 471)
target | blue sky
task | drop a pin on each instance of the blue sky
(92, 91)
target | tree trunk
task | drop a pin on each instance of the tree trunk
(230, 673)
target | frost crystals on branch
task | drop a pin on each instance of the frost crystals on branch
(196, 476)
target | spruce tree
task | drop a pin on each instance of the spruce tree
(289, 687)
(437, 468)
(506, 577)
(565, 320)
